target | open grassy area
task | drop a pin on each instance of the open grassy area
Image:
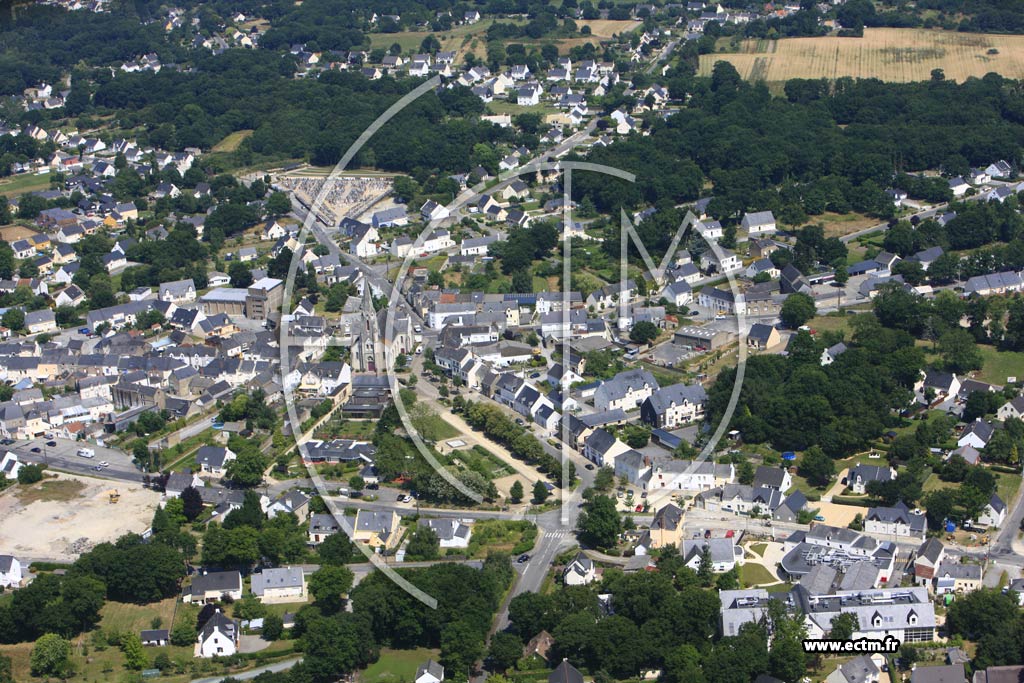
(758, 548)
(122, 616)
(998, 365)
(500, 535)
(755, 574)
(231, 142)
(26, 182)
(890, 54)
(483, 462)
(396, 665)
(840, 224)
(50, 490)
(1006, 485)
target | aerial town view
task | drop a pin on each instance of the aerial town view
(582, 341)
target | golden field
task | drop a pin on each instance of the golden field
(889, 54)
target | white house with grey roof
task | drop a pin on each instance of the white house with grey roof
(860, 669)
(897, 520)
(452, 533)
(759, 223)
(673, 406)
(214, 459)
(430, 671)
(280, 584)
(212, 587)
(580, 571)
(992, 515)
(10, 571)
(627, 390)
(218, 637)
(859, 476)
(178, 291)
(723, 553)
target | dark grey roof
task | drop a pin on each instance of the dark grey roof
(214, 582)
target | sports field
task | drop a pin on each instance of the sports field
(889, 54)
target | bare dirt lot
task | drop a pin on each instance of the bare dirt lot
(890, 54)
(57, 519)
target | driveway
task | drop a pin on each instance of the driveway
(247, 644)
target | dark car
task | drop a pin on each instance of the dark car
(37, 449)
(589, 466)
(523, 558)
(51, 444)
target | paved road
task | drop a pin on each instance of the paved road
(252, 673)
(665, 54)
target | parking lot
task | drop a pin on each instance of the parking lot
(62, 456)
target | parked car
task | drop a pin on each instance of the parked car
(819, 518)
(523, 558)
(51, 444)
(589, 466)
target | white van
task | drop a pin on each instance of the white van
(86, 453)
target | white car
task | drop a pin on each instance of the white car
(104, 463)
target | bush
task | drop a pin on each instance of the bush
(30, 474)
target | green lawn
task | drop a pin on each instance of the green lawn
(759, 548)
(25, 182)
(998, 365)
(1006, 485)
(397, 666)
(755, 575)
(122, 616)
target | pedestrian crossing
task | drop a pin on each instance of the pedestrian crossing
(557, 533)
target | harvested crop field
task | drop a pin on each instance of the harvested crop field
(889, 54)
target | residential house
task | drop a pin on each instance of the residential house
(758, 223)
(673, 406)
(666, 530)
(10, 572)
(178, 291)
(860, 669)
(763, 337)
(626, 390)
(212, 587)
(927, 560)
(155, 637)
(376, 528)
(321, 526)
(277, 585)
(898, 520)
(452, 533)
(580, 572)
(859, 476)
(993, 514)
(219, 637)
(429, 672)
(777, 478)
(957, 577)
(947, 673)
(214, 459)
(1012, 409)
(977, 434)
(723, 552)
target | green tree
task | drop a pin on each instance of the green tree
(540, 492)
(797, 309)
(644, 332)
(184, 634)
(356, 483)
(134, 654)
(241, 276)
(337, 549)
(843, 626)
(817, 467)
(6, 671)
(192, 503)
(706, 568)
(13, 319)
(423, 544)
(247, 469)
(604, 480)
(599, 524)
(515, 492)
(959, 351)
(51, 656)
(506, 649)
(273, 627)
(329, 584)
(278, 204)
